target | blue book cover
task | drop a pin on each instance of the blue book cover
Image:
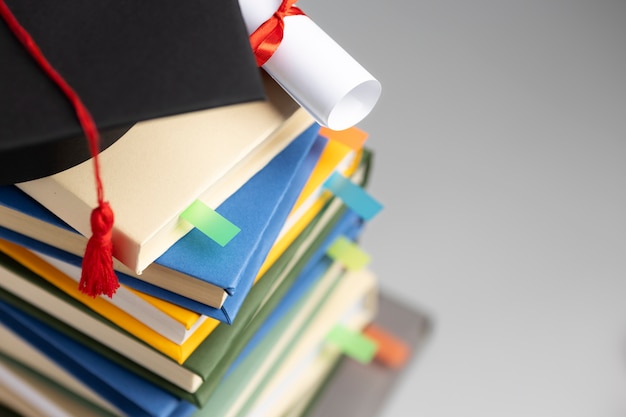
(259, 208)
(123, 389)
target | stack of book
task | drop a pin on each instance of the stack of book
(238, 210)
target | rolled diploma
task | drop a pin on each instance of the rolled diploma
(314, 70)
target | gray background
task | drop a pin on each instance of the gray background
(500, 157)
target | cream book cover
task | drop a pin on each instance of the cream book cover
(160, 167)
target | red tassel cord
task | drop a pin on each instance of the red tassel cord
(98, 276)
(267, 38)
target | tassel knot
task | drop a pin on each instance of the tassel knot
(98, 276)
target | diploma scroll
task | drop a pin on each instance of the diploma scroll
(314, 70)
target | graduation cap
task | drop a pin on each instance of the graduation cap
(76, 75)
(128, 61)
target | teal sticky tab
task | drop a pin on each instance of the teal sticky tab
(210, 222)
(352, 343)
(353, 196)
(348, 253)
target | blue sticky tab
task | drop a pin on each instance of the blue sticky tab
(353, 196)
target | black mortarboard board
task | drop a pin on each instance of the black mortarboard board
(127, 60)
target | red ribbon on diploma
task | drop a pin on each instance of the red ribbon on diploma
(266, 39)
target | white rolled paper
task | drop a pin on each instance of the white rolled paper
(315, 70)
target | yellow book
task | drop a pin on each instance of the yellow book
(182, 315)
(105, 307)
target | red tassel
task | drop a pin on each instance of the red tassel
(98, 276)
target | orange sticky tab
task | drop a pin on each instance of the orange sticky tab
(352, 137)
(392, 351)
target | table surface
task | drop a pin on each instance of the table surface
(500, 157)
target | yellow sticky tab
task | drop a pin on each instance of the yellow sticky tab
(210, 222)
(348, 253)
(352, 344)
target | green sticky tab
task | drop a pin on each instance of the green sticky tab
(352, 343)
(348, 253)
(210, 222)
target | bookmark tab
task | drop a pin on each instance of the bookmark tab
(348, 253)
(392, 352)
(353, 344)
(354, 138)
(353, 196)
(210, 222)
